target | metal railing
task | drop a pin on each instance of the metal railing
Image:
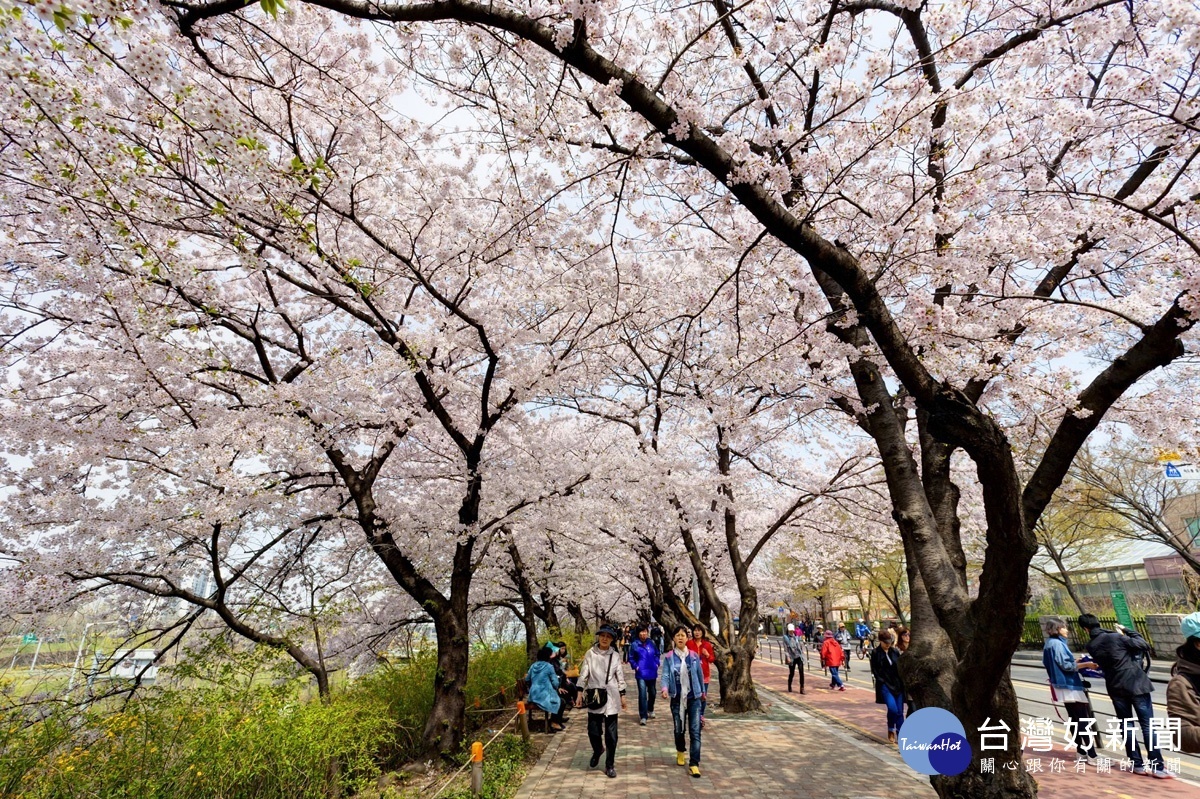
(1032, 637)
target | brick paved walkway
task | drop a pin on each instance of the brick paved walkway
(784, 753)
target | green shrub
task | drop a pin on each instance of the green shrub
(227, 742)
(493, 674)
(504, 766)
(241, 730)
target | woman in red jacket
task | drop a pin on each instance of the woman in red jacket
(704, 650)
(831, 657)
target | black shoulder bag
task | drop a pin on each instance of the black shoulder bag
(596, 698)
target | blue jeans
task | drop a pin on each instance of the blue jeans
(1125, 709)
(834, 679)
(693, 725)
(704, 701)
(895, 708)
(645, 696)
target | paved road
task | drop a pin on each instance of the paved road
(1033, 693)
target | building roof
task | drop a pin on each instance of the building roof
(1109, 555)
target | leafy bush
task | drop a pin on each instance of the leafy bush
(208, 742)
(238, 729)
(504, 767)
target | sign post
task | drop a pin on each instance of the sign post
(1121, 606)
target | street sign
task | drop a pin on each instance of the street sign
(1124, 617)
(1181, 471)
(28, 638)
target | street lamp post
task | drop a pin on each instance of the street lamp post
(79, 652)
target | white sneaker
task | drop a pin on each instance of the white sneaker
(1162, 774)
(652, 714)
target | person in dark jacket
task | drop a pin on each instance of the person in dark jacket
(644, 658)
(889, 689)
(1119, 655)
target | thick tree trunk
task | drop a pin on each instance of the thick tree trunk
(737, 687)
(529, 608)
(576, 614)
(529, 620)
(551, 619)
(444, 729)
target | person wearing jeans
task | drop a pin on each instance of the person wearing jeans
(703, 648)
(1141, 708)
(1119, 656)
(889, 690)
(831, 658)
(644, 657)
(683, 682)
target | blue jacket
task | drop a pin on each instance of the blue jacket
(543, 686)
(861, 631)
(644, 657)
(1060, 664)
(670, 677)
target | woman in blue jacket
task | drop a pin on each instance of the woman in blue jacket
(1063, 669)
(683, 681)
(543, 687)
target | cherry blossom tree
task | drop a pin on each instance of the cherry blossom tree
(731, 443)
(982, 220)
(273, 334)
(974, 192)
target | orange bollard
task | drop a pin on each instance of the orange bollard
(476, 768)
(523, 721)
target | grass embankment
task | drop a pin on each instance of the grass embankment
(230, 735)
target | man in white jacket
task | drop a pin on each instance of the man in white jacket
(601, 669)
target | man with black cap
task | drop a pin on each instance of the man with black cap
(1119, 655)
(601, 670)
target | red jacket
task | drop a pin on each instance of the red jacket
(831, 653)
(704, 651)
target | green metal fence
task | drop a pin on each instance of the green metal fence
(1032, 638)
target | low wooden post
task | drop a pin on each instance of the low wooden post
(476, 768)
(523, 721)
